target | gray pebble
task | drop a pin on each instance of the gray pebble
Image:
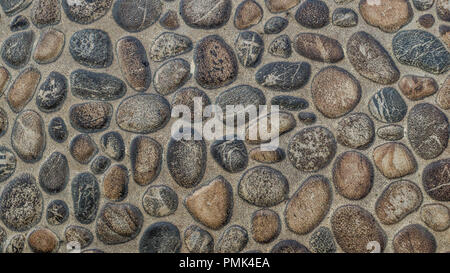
(54, 173)
(198, 240)
(112, 145)
(57, 212)
(90, 117)
(88, 85)
(281, 47)
(52, 93)
(233, 240)
(136, 15)
(344, 17)
(283, 76)
(230, 154)
(91, 48)
(86, 11)
(160, 201)
(57, 130)
(86, 197)
(100, 164)
(160, 237)
(16, 49)
(249, 48)
(206, 14)
(7, 163)
(322, 241)
(168, 45)
(275, 25)
(171, 75)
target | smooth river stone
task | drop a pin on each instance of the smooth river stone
(283, 76)
(168, 45)
(78, 234)
(388, 106)
(160, 201)
(275, 25)
(112, 145)
(322, 241)
(115, 183)
(435, 178)
(100, 164)
(233, 240)
(171, 75)
(443, 10)
(249, 48)
(313, 14)
(309, 205)
(248, 14)
(344, 17)
(54, 173)
(231, 154)
(57, 129)
(391, 132)
(442, 97)
(170, 20)
(88, 85)
(85, 11)
(11, 7)
(43, 240)
(16, 49)
(185, 97)
(266, 226)
(290, 103)
(277, 6)
(86, 197)
(205, 14)
(90, 117)
(83, 148)
(145, 157)
(4, 79)
(394, 160)
(414, 239)
(198, 240)
(8, 163)
(52, 93)
(387, 15)
(417, 87)
(23, 88)
(267, 157)
(355, 131)
(57, 212)
(49, 46)
(136, 15)
(318, 47)
(28, 136)
(254, 135)
(160, 237)
(91, 48)
(436, 216)
(281, 47)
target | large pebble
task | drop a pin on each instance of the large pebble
(145, 157)
(88, 85)
(387, 15)
(394, 160)
(205, 14)
(168, 45)
(388, 106)
(91, 48)
(249, 48)
(136, 15)
(54, 173)
(230, 154)
(435, 180)
(23, 88)
(414, 239)
(160, 201)
(171, 75)
(16, 49)
(91, 117)
(43, 240)
(198, 240)
(318, 47)
(49, 46)
(283, 76)
(266, 226)
(417, 87)
(52, 92)
(160, 237)
(46, 13)
(248, 14)
(28, 136)
(436, 216)
(85, 11)
(86, 197)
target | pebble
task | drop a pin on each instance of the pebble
(248, 13)
(249, 48)
(83, 148)
(313, 14)
(212, 203)
(322, 241)
(54, 173)
(265, 226)
(52, 93)
(354, 228)
(388, 106)
(135, 15)
(414, 239)
(283, 76)
(19, 23)
(168, 45)
(426, 20)
(289, 246)
(3, 122)
(281, 47)
(49, 46)
(11, 7)
(160, 237)
(57, 212)
(443, 95)
(290, 103)
(311, 149)
(423, 4)
(318, 47)
(43, 240)
(90, 117)
(145, 157)
(275, 25)
(143, 114)
(230, 154)
(100, 164)
(198, 240)
(436, 216)
(171, 76)
(86, 197)
(78, 234)
(91, 48)
(16, 244)
(387, 15)
(115, 183)
(16, 49)
(371, 59)
(428, 131)
(344, 17)
(435, 179)
(118, 223)
(421, 49)
(85, 11)
(134, 63)
(216, 64)
(353, 175)
(277, 6)
(394, 160)
(88, 85)
(160, 201)
(263, 186)
(28, 136)
(307, 118)
(4, 79)
(185, 97)
(417, 87)
(255, 135)
(112, 145)
(57, 130)
(355, 131)
(205, 14)
(233, 240)
(21, 203)
(8, 163)
(46, 13)
(398, 200)
(170, 20)
(268, 157)
(23, 88)
(391, 132)
(443, 10)
(335, 92)
(309, 205)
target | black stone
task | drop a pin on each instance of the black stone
(275, 25)
(57, 212)
(289, 246)
(322, 241)
(52, 93)
(112, 145)
(313, 14)
(54, 173)
(86, 197)
(89, 85)
(290, 103)
(16, 49)
(283, 76)
(160, 237)
(307, 117)
(249, 48)
(230, 154)
(91, 48)
(20, 22)
(57, 130)
(136, 15)
(100, 164)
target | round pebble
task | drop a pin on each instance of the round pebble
(43, 240)
(16, 49)
(394, 160)
(435, 177)
(391, 132)
(230, 154)
(417, 87)
(160, 201)
(57, 129)
(206, 14)
(322, 241)
(169, 20)
(46, 13)
(160, 237)
(266, 226)
(112, 145)
(233, 240)
(355, 131)
(49, 46)
(100, 164)
(83, 148)
(52, 93)
(78, 234)
(91, 48)
(54, 173)
(171, 75)
(90, 117)
(388, 106)
(318, 47)
(136, 15)
(198, 240)
(313, 14)
(423, 4)
(188, 97)
(281, 47)
(414, 239)
(436, 216)
(57, 212)
(275, 25)
(387, 15)
(247, 14)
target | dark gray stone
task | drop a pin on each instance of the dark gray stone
(4, 124)
(160, 201)
(20, 22)
(136, 15)
(283, 76)
(16, 49)
(52, 93)
(230, 154)
(168, 45)
(57, 212)
(46, 13)
(7, 163)
(54, 173)
(307, 117)
(387, 105)
(206, 14)
(249, 48)
(275, 25)
(198, 240)
(90, 117)
(281, 47)
(423, 4)
(86, 197)
(78, 234)
(344, 17)
(100, 164)
(112, 145)
(89, 85)
(435, 179)
(313, 14)
(289, 246)
(91, 48)
(57, 130)
(160, 237)
(16, 244)
(171, 75)
(290, 103)
(86, 11)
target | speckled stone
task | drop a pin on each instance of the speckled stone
(443, 10)
(423, 4)
(19, 23)
(265, 226)
(248, 14)
(249, 48)
(186, 97)
(91, 48)
(275, 25)
(283, 76)
(86, 197)
(23, 88)
(16, 49)
(344, 17)
(160, 201)
(28, 136)
(136, 15)
(52, 92)
(435, 179)
(168, 45)
(43, 240)
(83, 148)
(198, 240)
(388, 106)
(322, 241)
(355, 131)
(289, 246)
(281, 47)
(313, 14)
(171, 75)
(46, 13)
(57, 212)
(160, 237)
(394, 160)
(78, 234)
(88, 85)
(169, 20)
(57, 129)
(49, 46)
(417, 87)
(205, 14)
(436, 216)
(233, 240)
(11, 7)
(267, 157)
(112, 145)
(231, 154)
(290, 103)
(391, 132)
(307, 118)
(414, 239)
(54, 173)
(100, 164)
(8, 163)
(16, 244)
(443, 95)
(387, 15)
(85, 11)
(115, 183)
(90, 117)
(145, 157)
(318, 47)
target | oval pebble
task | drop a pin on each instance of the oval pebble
(88, 85)
(16, 49)
(168, 45)
(52, 93)
(136, 15)
(318, 47)
(355, 131)
(275, 25)
(57, 212)
(414, 239)
(435, 177)
(171, 75)
(283, 76)
(145, 157)
(248, 14)
(268, 157)
(83, 148)
(78, 234)
(85, 11)
(387, 15)
(249, 48)
(436, 216)
(265, 226)
(230, 154)
(49, 46)
(198, 240)
(394, 160)
(206, 14)
(115, 183)
(28, 136)
(391, 132)
(388, 106)
(233, 240)
(57, 129)
(100, 164)
(112, 145)
(290, 103)
(54, 173)
(90, 117)
(160, 201)
(23, 88)
(91, 48)
(86, 197)
(289, 246)
(43, 240)
(46, 13)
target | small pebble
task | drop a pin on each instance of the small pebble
(52, 93)
(198, 240)
(289, 246)
(49, 46)
(275, 25)
(168, 45)
(344, 17)
(277, 6)
(160, 237)
(283, 76)
(233, 240)
(322, 241)
(19, 23)
(391, 132)
(307, 118)
(313, 14)
(268, 157)
(426, 20)
(169, 20)
(57, 130)
(57, 212)
(388, 106)
(231, 154)
(281, 47)
(249, 48)
(100, 164)
(113, 146)
(83, 148)
(355, 131)
(171, 75)
(54, 173)
(78, 234)
(436, 216)
(247, 14)
(160, 201)
(115, 183)
(43, 240)
(134, 15)
(394, 160)
(90, 117)
(265, 226)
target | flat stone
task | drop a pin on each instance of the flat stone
(311, 149)
(268, 157)
(248, 14)
(394, 160)
(275, 25)
(417, 87)
(335, 92)
(427, 130)
(230, 154)
(86, 197)
(91, 48)
(443, 95)
(115, 183)
(387, 15)
(205, 14)
(289, 246)
(263, 186)
(307, 118)
(52, 93)
(318, 47)
(186, 97)
(414, 239)
(322, 241)
(43, 240)
(85, 11)
(255, 135)
(57, 212)
(353, 175)
(344, 17)
(23, 88)
(423, 4)
(169, 20)
(90, 117)
(118, 223)
(388, 106)
(233, 240)
(136, 15)
(443, 10)
(134, 63)
(277, 6)
(78, 234)
(371, 59)
(436, 216)
(100, 164)
(16, 244)
(391, 132)
(354, 228)
(265, 226)
(3, 122)
(216, 64)
(283, 76)
(355, 131)
(212, 203)
(281, 47)
(46, 13)
(112, 145)
(4, 79)
(21, 203)
(426, 20)
(19, 23)
(435, 179)
(290, 103)
(49, 46)
(421, 49)
(143, 114)
(313, 14)
(54, 173)
(249, 48)
(57, 130)
(198, 240)
(88, 85)
(309, 205)
(11, 7)
(28, 136)
(397, 201)
(83, 148)
(160, 237)
(8, 163)
(168, 45)
(171, 75)
(145, 157)
(160, 201)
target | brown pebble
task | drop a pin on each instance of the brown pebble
(387, 15)
(416, 87)
(49, 46)
(115, 183)
(414, 239)
(83, 148)
(394, 160)
(170, 20)
(266, 226)
(276, 6)
(248, 14)
(43, 240)
(436, 216)
(444, 31)
(443, 95)
(78, 234)
(270, 156)
(318, 47)
(426, 20)
(4, 79)
(255, 136)
(28, 136)
(23, 88)
(145, 157)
